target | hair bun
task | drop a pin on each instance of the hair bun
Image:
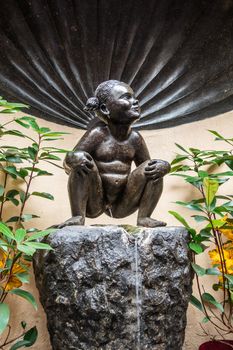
(92, 104)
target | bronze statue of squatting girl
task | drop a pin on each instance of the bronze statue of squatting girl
(99, 167)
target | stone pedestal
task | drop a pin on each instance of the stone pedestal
(103, 288)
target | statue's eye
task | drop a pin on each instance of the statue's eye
(126, 96)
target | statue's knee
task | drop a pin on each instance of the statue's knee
(164, 166)
(77, 161)
(76, 157)
(145, 164)
(155, 169)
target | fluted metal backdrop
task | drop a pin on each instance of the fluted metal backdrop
(176, 54)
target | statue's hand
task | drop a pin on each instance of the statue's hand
(79, 161)
(156, 169)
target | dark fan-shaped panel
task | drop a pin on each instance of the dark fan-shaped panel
(177, 55)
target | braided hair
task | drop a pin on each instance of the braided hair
(101, 95)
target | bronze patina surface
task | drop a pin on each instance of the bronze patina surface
(99, 167)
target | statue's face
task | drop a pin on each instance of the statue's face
(122, 105)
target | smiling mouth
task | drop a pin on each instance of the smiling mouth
(136, 109)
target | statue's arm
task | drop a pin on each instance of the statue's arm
(155, 168)
(141, 150)
(81, 154)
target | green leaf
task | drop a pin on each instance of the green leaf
(4, 316)
(178, 159)
(35, 146)
(52, 139)
(11, 196)
(230, 278)
(24, 218)
(39, 234)
(216, 223)
(26, 295)
(24, 277)
(10, 110)
(179, 218)
(213, 271)
(20, 344)
(13, 219)
(11, 170)
(43, 172)
(216, 286)
(195, 151)
(225, 173)
(32, 153)
(28, 340)
(32, 122)
(14, 201)
(2, 190)
(18, 121)
(200, 271)
(20, 234)
(182, 148)
(22, 196)
(46, 155)
(32, 229)
(13, 159)
(23, 173)
(183, 222)
(55, 150)
(194, 180)
(27, 217)
(199, 239)
(194, 301)
(231, 296)
(55, 134)
(229, 163)
(180, 167)
(210, 299)
(14, 105)
(6, 231)
(26, 250)
(23, 324)
(191, 205)
(43, 194)
(199, 218)
(39, 172)
(14, 133)
(196, 247)
(205, 320)
(215, 133)
(31, 335)
(37, 245)
(4, 245)
(210, 189)
(44, 130)
(202, 174)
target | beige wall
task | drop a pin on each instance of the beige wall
(161, 145)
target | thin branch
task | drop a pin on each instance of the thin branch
(3, 201)
(8, 334)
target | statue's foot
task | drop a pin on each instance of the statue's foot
(149, 222)
(75, 220)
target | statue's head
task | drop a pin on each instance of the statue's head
(115, 101)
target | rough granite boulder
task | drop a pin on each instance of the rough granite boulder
(103, 288)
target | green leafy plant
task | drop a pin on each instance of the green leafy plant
(213, 212)
(18, 243)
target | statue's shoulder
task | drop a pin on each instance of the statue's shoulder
(136, 136)
(97, 130)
